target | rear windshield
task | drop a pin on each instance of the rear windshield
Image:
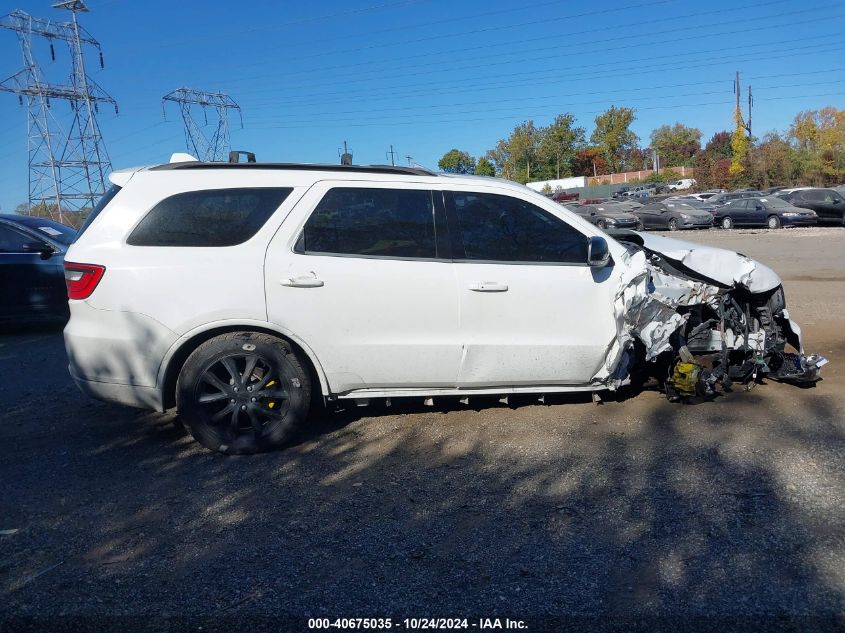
(101, 204)
(214, 217)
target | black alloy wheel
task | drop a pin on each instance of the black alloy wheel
(243, 393)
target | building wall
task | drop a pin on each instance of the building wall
(633, 176)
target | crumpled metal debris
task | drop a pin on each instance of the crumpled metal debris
(647, 302)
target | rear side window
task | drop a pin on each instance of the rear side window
(102, 203)
(214, 217)
(493, 227)
(372, 223)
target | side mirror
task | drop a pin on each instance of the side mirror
(597, 252)
(45, 250)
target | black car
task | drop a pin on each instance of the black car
(723, 198)
(772, 190)
(829, 204)
(606, 217)
(621, 191)
(769, 211)
(673, 215)
(32, 278)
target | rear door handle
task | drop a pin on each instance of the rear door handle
(488, 286)
(304, 281)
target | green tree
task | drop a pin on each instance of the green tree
(484, 167)
(676, 144)
(558, 144)
(456, 161)
(613, 136)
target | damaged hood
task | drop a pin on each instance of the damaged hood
(728, 268)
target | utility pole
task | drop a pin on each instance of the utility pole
(750, 105)
(391, 155)
(346, 156)
(205, 148)
(410, 160)
(67, 170)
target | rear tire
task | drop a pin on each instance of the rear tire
(243, 392)
(773, 222)
(727, 223)
(640, 226)
(673, 224)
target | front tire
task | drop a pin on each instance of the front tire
(601, 224)
(773, 222)
(243, 392)
(673, 224)
(727, 223)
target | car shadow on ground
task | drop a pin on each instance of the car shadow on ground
(634, 509)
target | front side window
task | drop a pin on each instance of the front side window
(11, 241)
(215, 217)
(372, 222)
(493, 227)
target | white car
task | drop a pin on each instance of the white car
(680, 185)
(244, 293)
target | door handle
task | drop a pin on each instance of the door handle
(303, 281)
(488, 286)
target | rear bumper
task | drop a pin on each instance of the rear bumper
(116, 355)
(129, 395)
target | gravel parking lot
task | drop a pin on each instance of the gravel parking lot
(637, 508)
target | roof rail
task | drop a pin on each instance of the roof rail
(370, 169)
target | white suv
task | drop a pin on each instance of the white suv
(242, 293)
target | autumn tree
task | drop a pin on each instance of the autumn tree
(676, 144)
(740, 145)
(613, 136)
(589, 161)
(819, 138)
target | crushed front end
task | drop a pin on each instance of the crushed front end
(701, 319)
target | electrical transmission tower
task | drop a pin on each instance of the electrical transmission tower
(68, 165)
(205, 148)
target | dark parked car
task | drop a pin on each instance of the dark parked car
(606, 217)
(619, 193)
(723, 198)
(772, 190)
(770, 211)
(829, 204)
(701, 205)
(673, 215)
(32, 277)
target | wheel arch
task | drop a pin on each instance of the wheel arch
(179, 352)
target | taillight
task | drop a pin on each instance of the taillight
(81, 279)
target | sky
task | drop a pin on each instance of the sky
(426, 76)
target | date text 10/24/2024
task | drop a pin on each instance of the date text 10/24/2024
(417, 623)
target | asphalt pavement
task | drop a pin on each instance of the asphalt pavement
(636, 513)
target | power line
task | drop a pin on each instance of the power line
(571, 41)
(463, 87)
(521, 115)
(486, 83)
